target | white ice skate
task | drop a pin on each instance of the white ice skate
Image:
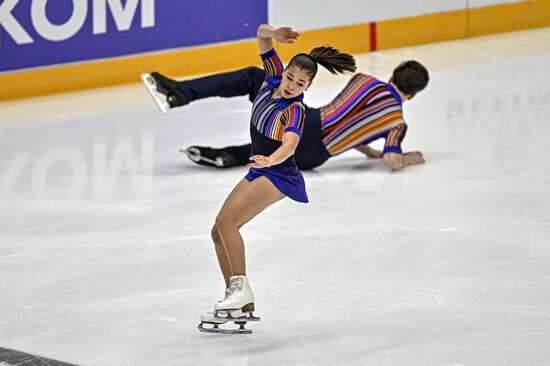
(210, 319)
(151, 87)
(239, 302)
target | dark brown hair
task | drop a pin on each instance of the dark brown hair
(410, 77)
(333, 60)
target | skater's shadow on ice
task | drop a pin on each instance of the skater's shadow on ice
(360, 164)
(356, 165)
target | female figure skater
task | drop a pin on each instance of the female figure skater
(276, 127)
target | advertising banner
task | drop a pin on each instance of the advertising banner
(37, 33)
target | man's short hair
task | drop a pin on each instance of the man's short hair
(410, 77)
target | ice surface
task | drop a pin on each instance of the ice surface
(105, 250)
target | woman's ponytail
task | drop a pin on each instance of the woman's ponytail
(333, 60)
(330, 58)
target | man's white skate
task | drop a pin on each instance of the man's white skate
(151, 87)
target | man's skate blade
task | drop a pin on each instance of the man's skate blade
(192, 155)
(217, 330)
(150, 87)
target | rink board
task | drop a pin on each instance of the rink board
(214, 53)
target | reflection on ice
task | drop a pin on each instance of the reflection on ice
(76, 172)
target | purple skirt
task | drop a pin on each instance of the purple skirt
(286, 178)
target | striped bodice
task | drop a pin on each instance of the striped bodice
(272, 117)
(365, 110)
(273, 121)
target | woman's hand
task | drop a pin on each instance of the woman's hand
(259, 161)
(284, 35)
(266, 34)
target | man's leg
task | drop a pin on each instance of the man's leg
(310, 153)
(229, 84)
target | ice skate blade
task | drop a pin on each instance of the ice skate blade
(217, 330)
(151, 89)
(195, 155)
(226, 315)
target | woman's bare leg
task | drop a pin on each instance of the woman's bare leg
(223, 261)
(246, 201)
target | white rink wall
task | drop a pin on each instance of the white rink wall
(310, 14)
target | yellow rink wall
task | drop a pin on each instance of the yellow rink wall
(214, 58)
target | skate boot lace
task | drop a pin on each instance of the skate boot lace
(236, 285)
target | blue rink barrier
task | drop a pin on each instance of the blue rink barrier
(38, 33)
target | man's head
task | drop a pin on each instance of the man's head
(410, 77)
